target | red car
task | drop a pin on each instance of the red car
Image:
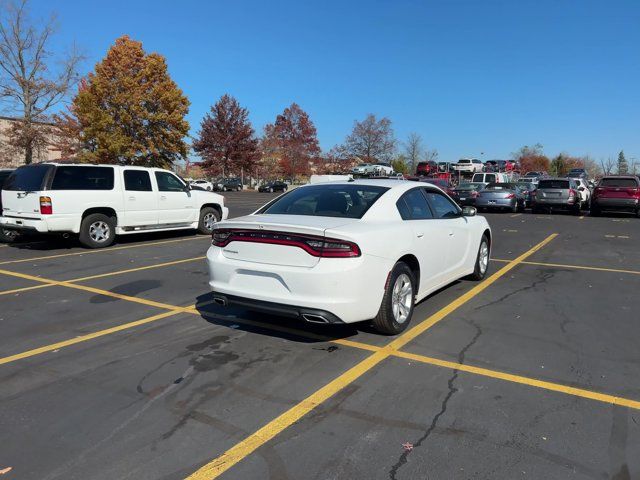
(426, 168)
(620, 192)
(442, 183)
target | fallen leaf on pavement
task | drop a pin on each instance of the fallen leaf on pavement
(407, 446)
(5, 470)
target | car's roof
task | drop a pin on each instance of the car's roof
(381, 182)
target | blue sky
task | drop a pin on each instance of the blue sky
(470, 76)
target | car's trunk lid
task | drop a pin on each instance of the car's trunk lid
(276, 239)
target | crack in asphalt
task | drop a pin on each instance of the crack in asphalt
(545, 275)
(443, 407)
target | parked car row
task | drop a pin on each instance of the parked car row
(380, 169)
(573, 194)
(230, 184)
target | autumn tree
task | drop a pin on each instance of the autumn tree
(623, 166)
(413, 149)
(226, 140)
(293, 138)
(532, 159)
(371, 140)
(128, 111)
(402, 164)
(32, 80)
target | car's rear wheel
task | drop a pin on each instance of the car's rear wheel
(397, 304)
(208, 218)
(482, 260)
(97, 230)
(8, 236)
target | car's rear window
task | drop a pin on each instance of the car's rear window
(83, 178)
(464, 161)
(29, 178)
(558, 184)
(500, 186)
(470, 186)
(618, 182)
(348, 201)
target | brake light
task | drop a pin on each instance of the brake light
(314, 245)
(475, 193)
(46, 207)
(511, 195)
(572, 193)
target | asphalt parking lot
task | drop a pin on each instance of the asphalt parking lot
(114, 364)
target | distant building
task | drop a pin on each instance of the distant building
(14, 157)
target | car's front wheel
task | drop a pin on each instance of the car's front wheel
(397, 305)
(208, 218)
(482, 260)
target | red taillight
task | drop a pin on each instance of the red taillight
(46, 207)
(475, 193)
(572, 193)
(313, 245)
(511, 195)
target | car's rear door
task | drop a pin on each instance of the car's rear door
(430, 240)
(140, 199)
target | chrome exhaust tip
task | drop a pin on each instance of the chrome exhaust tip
(220, 301)
(313, 318)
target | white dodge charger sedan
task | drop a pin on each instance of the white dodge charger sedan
(344, 252)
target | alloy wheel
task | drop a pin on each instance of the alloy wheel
(401, 298)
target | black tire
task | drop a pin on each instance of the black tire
(208, 217)
(577, 211)
(535, 209)
(480, 270)
(385, 322)
(594, 212)
(97, 230)
(8, 236)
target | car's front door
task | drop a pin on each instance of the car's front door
(447, 216)
(175, 201)
(140, 200)
(429, 241)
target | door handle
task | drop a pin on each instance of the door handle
(162, 197)
(451, 234)
(420, 235)
(132, 198)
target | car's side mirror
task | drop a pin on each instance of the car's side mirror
(469, 211)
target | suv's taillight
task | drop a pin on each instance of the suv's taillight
(46, 207)
(313, 245)
(511, 195)
(572, 193)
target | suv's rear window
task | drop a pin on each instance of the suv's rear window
(558, 184)
(348, 201)
(29, 178)
(83, 178)
(618, 182)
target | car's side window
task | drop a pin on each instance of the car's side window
(441, 205)
(137, 181)
(168, 182)
(413, 206)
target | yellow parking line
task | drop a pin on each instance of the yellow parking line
(109, 274)
(245, 447)
(84, 338)
(516, 215)
(577, 267)
(104, 250)
(532, 382)
(97, 291)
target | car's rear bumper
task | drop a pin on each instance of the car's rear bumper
(615, 203)
(24, 224)
(546, 202)
(350, 289)
(466, 201)
(303, 313)
(495, 203)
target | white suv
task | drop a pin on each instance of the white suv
(470, 165)
(98, 202)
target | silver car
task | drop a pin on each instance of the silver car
(557, 193)
(501, 196)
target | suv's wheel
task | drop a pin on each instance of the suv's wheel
(97, 230)
(208, 218)
(397, 304)
(482, 260)
(8, 236)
